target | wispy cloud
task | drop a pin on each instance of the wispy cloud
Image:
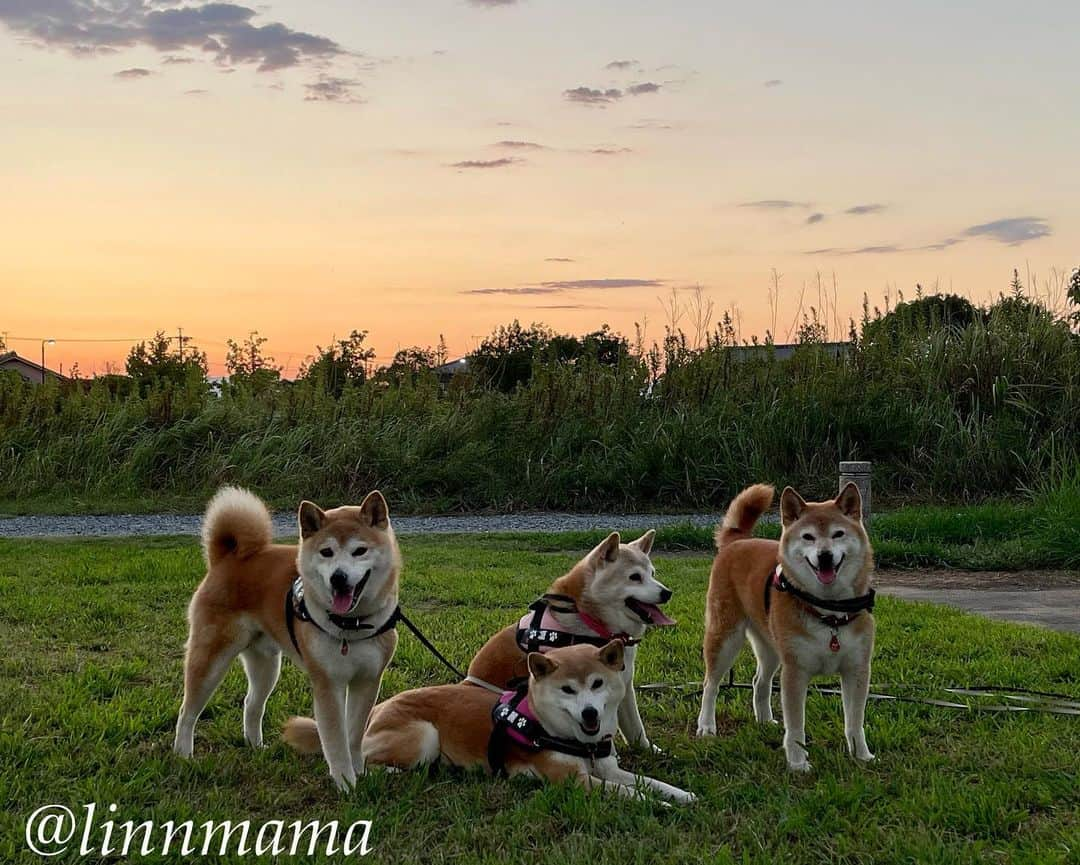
(593, 96)
(196, 92)
(644, 87)
(487, 163)
(519, 145)
(329, 88)
(623, 65)
(776, 204)
(774, 82)
(226, 32)
(133, 72)
(177, 60)
(865, 209)
(883, 249)
(815, 218)
(610, 151)
(1012, 231)
(650, 123)
(562, 285)
(559, 258)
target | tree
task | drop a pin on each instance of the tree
(343, 362)
(153, 361)
(247, 362)
(929, 314)
(1073, 292)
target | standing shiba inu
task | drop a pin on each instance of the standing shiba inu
(330, 603)
(810, 612)
(611, 593)
(561, 726)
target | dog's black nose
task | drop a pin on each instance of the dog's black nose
(824, 560)
(665, 596)
(590, 716)
(339, 580)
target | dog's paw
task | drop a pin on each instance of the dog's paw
(865, 758)
(685, 797)
(344, 781)
(706, 728)
(181, 750)
(802, 768)
(651, 748)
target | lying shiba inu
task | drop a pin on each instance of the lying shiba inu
(611, 593)
(330, 603)
(560, 726)
(810, 612)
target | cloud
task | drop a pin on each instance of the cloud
(1012, 231)
(519, 145)
(557, 286)
(196, 92)
(776, 204)
(492, 4)
(650, 123)
(225, 31)
(486, 163)
(815, 218)
(176, 60)
(329, 88)
(942, 244)
(865, 209)
(592, 96)
(567, 306)
(610, 151)
(557, 258)
(774, 82)
(884, 249)
(133, 72)
(640, 89)
(621, 65)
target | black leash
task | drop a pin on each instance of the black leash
(428, 644)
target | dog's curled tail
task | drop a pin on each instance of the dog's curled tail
(237, 523)
(743, 513)
(302, 735)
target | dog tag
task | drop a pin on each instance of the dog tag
(834, 643)
(345, 647)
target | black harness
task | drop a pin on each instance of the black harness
(850, 608)
(513, 727)
(536, 636)
(296, 610)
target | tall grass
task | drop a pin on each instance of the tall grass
(946, 411)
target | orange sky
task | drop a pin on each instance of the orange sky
(344, 170)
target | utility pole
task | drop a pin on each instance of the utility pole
(251, 341)
(180, 340)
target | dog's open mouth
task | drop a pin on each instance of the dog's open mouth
(590, 729)
(826, 576)
(344, 601)
(650, 614)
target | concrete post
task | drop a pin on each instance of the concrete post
(858, 472)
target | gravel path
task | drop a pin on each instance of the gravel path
(121, 525)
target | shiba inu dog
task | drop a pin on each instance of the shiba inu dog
(611, 593)
(804, 603)
(560, 725)
(330, 603)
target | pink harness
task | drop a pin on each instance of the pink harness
(539, 631)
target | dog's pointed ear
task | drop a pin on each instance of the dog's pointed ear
(374, 510)
(541, 665)
(645, 542)
(310, 518)
(791, 506)
(611, 655)
(850, 501)
(607, 549)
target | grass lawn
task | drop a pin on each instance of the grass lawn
(90, 684)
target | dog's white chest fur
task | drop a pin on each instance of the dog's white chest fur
(818, 659)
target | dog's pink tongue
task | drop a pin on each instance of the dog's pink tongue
(826, 577)
(656, 615)
(342, 602)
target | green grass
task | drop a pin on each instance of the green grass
(90, 683)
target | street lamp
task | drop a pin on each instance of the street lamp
(44, 343)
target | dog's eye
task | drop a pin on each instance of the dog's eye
(598, 684)
(837, 534)
(359, 551)
(566, 689)
(807, 536)
(326, 552)
(635, 578)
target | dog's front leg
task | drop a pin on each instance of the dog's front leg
(363, 692)
(854, 687)
(610, 772)
(329, 699)
(630, 723)
(793, 685)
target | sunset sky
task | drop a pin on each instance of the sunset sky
(417, 167)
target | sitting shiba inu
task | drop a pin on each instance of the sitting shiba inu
(330, 603)
(560, 726)
(804, 603)
(612, 593)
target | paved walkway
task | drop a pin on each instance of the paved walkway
(1056, 608)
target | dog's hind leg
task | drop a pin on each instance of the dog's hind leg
(721, 648)
(263, 666)
(210, 651)
(768, 662)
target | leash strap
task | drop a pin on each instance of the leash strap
(428, 644)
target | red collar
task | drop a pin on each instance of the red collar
(603, 630)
